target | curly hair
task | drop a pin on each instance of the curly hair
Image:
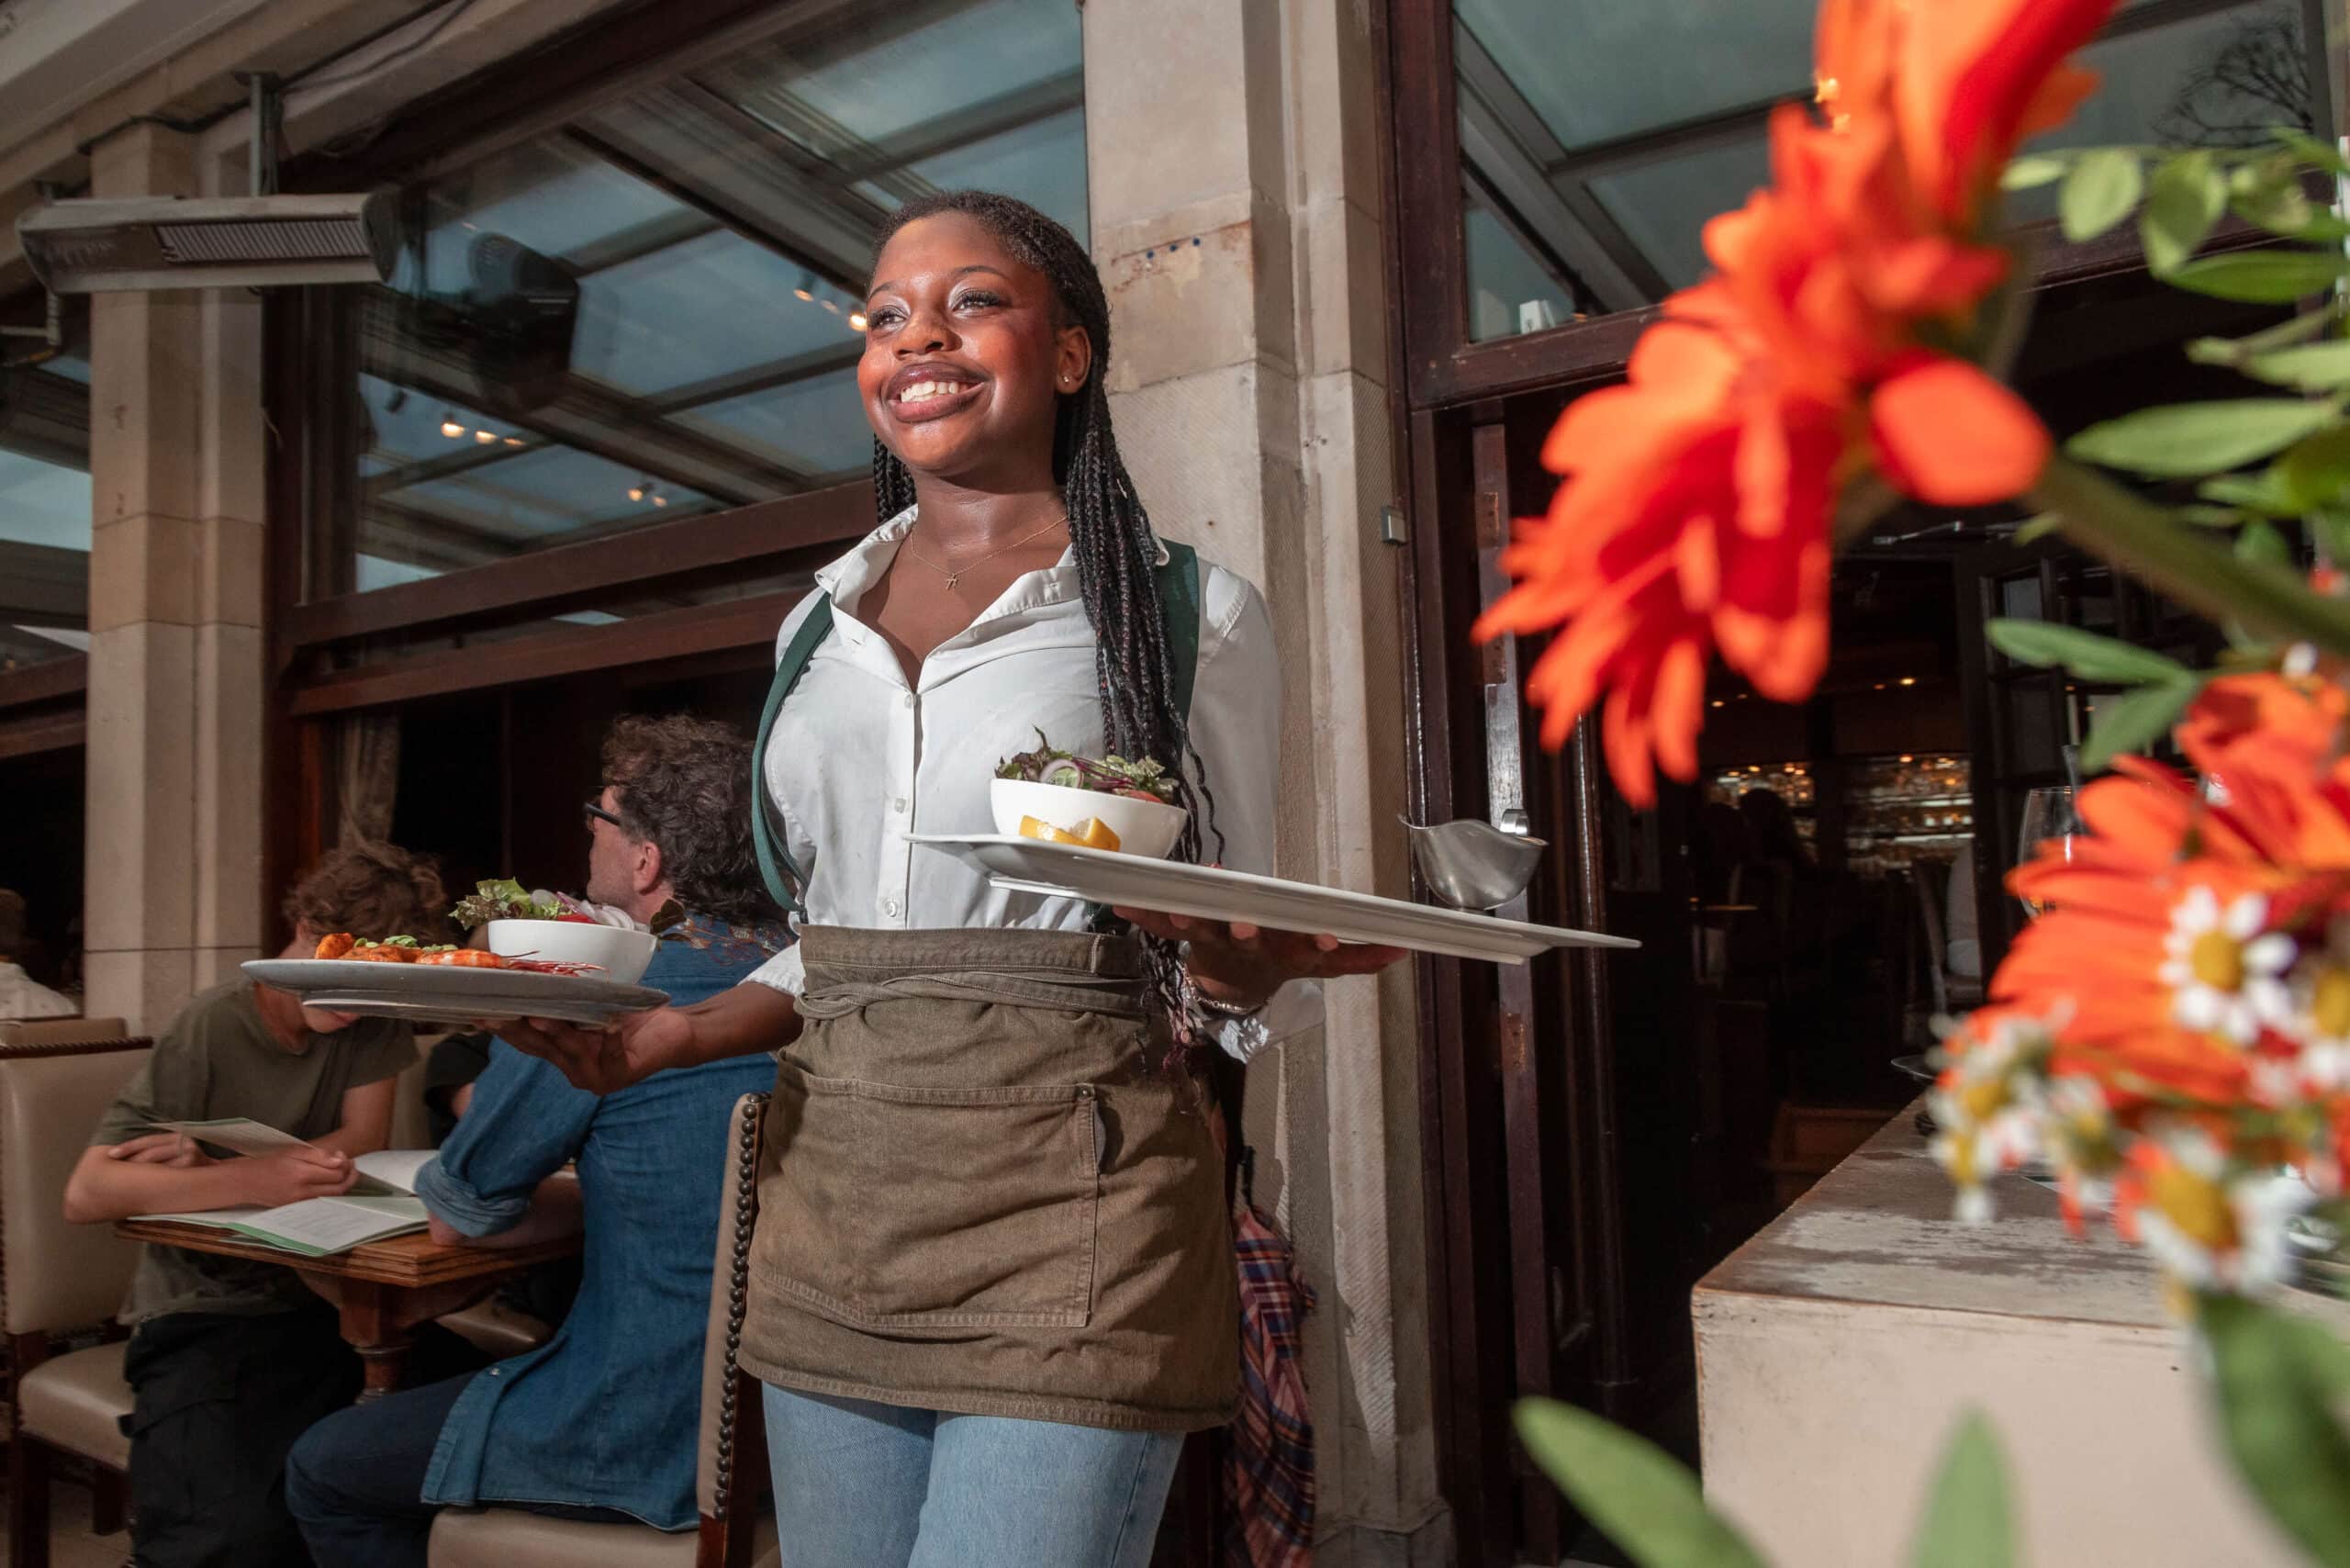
(371, 889)
(684, 785)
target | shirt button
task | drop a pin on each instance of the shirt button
(907, 700)
(890, 908)
(899, 805)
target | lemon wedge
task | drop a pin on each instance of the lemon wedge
(1094, 835)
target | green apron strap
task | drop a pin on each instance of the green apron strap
(1178, 606)
(769, 838)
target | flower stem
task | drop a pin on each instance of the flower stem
(2139, 537)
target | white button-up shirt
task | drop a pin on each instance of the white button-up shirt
(858, 760)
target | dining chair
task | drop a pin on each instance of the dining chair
(57, 1278)
(736, 1531)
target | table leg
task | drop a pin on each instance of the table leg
(371, 1327)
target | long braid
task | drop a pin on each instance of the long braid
(1116, 550)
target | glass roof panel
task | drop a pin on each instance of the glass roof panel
(43, 503)
(551, 490)
(816, 426)
(1597, 70)
(700, 309)
(1042, 163)
(871, 92)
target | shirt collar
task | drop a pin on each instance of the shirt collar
(847, 578)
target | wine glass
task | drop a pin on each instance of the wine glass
(2048, 817)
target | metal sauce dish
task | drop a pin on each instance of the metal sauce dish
(1473, 865)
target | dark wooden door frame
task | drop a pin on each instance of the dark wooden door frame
(1450, 400)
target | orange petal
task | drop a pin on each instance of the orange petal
(1679, 708)
(1949, 434)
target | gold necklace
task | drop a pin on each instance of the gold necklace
(955, 574)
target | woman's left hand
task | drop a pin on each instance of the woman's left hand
(1242, 965)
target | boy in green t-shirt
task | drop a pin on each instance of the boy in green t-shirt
(231, 1360)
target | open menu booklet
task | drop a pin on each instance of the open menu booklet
(381, 1203)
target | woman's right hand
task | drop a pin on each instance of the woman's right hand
(604, 1061)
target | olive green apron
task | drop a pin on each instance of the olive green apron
(975, 1196)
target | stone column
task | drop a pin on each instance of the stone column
(1233, 150)
(173, 858)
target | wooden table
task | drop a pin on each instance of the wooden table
(384, 1289)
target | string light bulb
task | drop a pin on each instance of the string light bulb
(856, 320)
(449, 425)
(807, 289)
(486, 438)
(659, 499)
(636, 492)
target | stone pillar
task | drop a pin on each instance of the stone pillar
(1233, 150)
(173, 858)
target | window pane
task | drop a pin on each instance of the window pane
(45, 507)
(1511, 288)
(717, 228)
(1611, 133)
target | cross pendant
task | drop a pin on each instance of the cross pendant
(952, 579)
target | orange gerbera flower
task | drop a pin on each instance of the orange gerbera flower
(1696, 507)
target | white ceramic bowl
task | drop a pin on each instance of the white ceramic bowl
(1143, 827)
(623, 953)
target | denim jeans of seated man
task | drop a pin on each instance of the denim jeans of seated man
(355, 1481)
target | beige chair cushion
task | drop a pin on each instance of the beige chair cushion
(60, 1031)
(497, 1329)
(510, 1538)
(59, 1276)
(72, 1402)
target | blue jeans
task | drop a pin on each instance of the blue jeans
(355, 1481)
(866, 1486)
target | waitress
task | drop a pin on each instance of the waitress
(993, 1284)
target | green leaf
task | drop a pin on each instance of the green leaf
(2185, 440)
(2325, 229)
(2135, 721)
(2316, 471)
(2312, 367)
(2261, 541)
(2275, 1380)
(2033, 169)
(1645, 1500)
(2088, 656)
(2285, 334)
(2184, 198)
(2099, 192)
(2282, 209)
(2035, 529)
(2261, 277)
(1967, 1523)
(2322, 154)
(2262, 491)
(2209, 517)
(2331, 528)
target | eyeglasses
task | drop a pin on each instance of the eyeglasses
(595, 811)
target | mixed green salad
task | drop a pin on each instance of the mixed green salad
(1141, 781)
(504, 900)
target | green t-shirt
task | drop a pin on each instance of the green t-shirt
(219, 1059)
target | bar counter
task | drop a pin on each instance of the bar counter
(1837, 1350)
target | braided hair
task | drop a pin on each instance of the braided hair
(1117, 552)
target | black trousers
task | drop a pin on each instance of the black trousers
(215, 1403)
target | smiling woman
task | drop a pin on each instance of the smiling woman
(1056, 1261)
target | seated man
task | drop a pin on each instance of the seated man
(230, 1359)
(601, 1421)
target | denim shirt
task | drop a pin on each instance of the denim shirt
(607, 1413)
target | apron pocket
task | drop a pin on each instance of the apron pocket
(911, 1209)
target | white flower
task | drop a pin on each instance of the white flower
(2225, 972)
(2213, 1230)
